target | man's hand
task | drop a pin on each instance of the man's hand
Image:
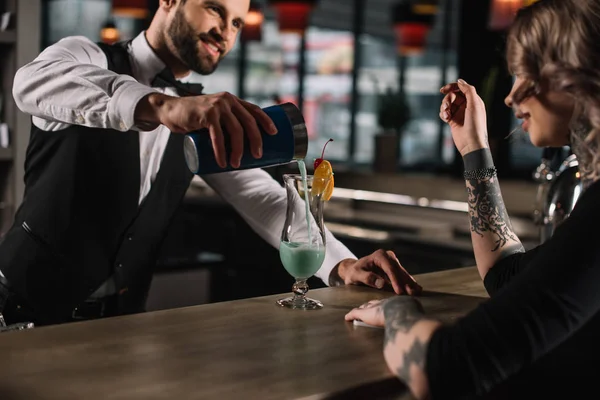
(379, 270)
(214, 112)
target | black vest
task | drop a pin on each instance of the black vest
(79, 222)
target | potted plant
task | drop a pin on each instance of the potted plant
(393, 113)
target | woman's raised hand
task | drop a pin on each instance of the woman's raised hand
(464, 111)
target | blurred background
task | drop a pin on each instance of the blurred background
(366, 74)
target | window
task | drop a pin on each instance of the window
(380, 69)
(272, 76)
(328, 88)
(421, 137)
(74, 17)
(377, 72)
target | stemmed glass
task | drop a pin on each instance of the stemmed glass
(302, 247)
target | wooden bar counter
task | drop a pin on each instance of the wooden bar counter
(245, 349)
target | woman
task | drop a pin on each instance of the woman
(540, 330)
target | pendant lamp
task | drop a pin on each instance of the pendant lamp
(130, 8)
(109, 33)
(253, 24)
(293, 15)
(412, 22)
(503, 12)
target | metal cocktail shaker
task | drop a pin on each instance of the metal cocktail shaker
(290, 143)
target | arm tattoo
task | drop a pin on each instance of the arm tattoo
(487, 212)
(413, 356)
(401, 313)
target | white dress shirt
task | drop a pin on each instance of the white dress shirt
(69, 84)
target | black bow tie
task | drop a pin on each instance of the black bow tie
(166, 79)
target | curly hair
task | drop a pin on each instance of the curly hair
(555, 45)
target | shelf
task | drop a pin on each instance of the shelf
(8, 37)
(6, 154)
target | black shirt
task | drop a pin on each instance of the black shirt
(540, 330)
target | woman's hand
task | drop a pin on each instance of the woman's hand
(464, 111)
(370, 313)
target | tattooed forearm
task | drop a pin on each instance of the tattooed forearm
(415, 355)
(401, 313)
(487, 212)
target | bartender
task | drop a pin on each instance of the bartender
(105, 170)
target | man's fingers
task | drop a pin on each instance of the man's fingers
(410, 285)
(250, 126)
(236, 137)
(392, 255)
(218, 143)
(381, 270)
(413, 289)
(384, 262)
(261, 117)
(368, 278)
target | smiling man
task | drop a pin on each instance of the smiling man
(105, 169)
(183, 37)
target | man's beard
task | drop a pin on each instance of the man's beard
(186, 45)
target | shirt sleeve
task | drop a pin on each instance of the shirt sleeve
(550, 300)
(69, 84)
(262, 202)
(507, 268)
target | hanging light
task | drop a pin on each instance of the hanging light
(130, 8)
(425, 7)
(253, 24)
(292, 15)
(503, 12)
(412, 23)
(109, 33)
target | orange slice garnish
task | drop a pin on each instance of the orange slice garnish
(323, 181)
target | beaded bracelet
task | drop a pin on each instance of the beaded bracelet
(480, 173)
